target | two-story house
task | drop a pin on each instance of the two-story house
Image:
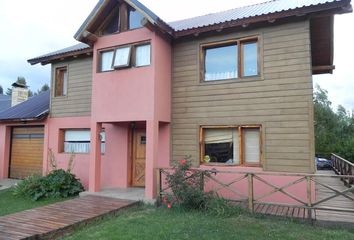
(232, 90)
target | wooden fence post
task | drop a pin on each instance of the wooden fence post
(250, 192)
(202, 181)
(309, 197)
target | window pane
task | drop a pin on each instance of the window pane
(61, 79)
(236, 137)
(221, 145)
(250, 56)
(112, 26)
(135, 19)
(252, 146)
(221, 63)
(76, 147)
(122, 57)
(106, 61)
(77, 135)
(142, 55)
(65, 82)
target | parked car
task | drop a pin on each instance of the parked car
(323, 163)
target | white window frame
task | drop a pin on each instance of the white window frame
(125, 58)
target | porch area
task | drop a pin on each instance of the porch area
(133, 194)
(133, 150)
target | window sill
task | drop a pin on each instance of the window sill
(58, 97)
(232, 80)
(67, 153)
(118, 69)
(230, 165)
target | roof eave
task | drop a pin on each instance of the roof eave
(35, 119)
(335, 7)
(50, 59)
(79, 34)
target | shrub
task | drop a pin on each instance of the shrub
(57, 184)
(29, 187)
(187, 187)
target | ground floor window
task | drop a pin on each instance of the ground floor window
(231, 145)
(78, 140)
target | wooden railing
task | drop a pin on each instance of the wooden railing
(251, 197)
(343, 167)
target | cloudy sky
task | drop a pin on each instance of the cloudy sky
(32, 28)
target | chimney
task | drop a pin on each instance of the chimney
(19, 93)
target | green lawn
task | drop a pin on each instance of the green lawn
(11, 204)
(151, 223)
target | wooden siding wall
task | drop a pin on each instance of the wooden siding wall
(77, 102)
(280, 100)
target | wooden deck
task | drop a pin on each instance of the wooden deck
(54, 220)
(293, 212)
(337, 202)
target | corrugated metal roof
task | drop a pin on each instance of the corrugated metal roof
(260, 9)
(5, 102)
(74, 48)
(34, 108)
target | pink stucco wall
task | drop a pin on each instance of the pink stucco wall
(114, 165)
(137, 94)
(133, 94)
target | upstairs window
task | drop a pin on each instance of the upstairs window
(112, 24)
(121, 18)
(122, 57)
(135, 19)
(239, 145)
(106, 61)
(250, 59)
(60, 82)
(142, 55)
(230, 60)
(221, 63)
(136, 55)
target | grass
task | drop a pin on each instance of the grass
(150, 223)
(11, 204)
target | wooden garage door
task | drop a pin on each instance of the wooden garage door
(26, 152)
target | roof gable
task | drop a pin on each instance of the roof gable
(102, 9)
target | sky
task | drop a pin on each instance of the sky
(36, 27)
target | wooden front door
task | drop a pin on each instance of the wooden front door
(26, 152)
(138, 163)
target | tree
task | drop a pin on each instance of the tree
(1, 90)
(21, 80)
(8, 91)
(44, 88)
(334, 131)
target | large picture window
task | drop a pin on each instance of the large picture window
(239, 145)
(229, 60)
(78, 140)
(135, 55)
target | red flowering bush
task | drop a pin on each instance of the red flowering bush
(187, 187)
